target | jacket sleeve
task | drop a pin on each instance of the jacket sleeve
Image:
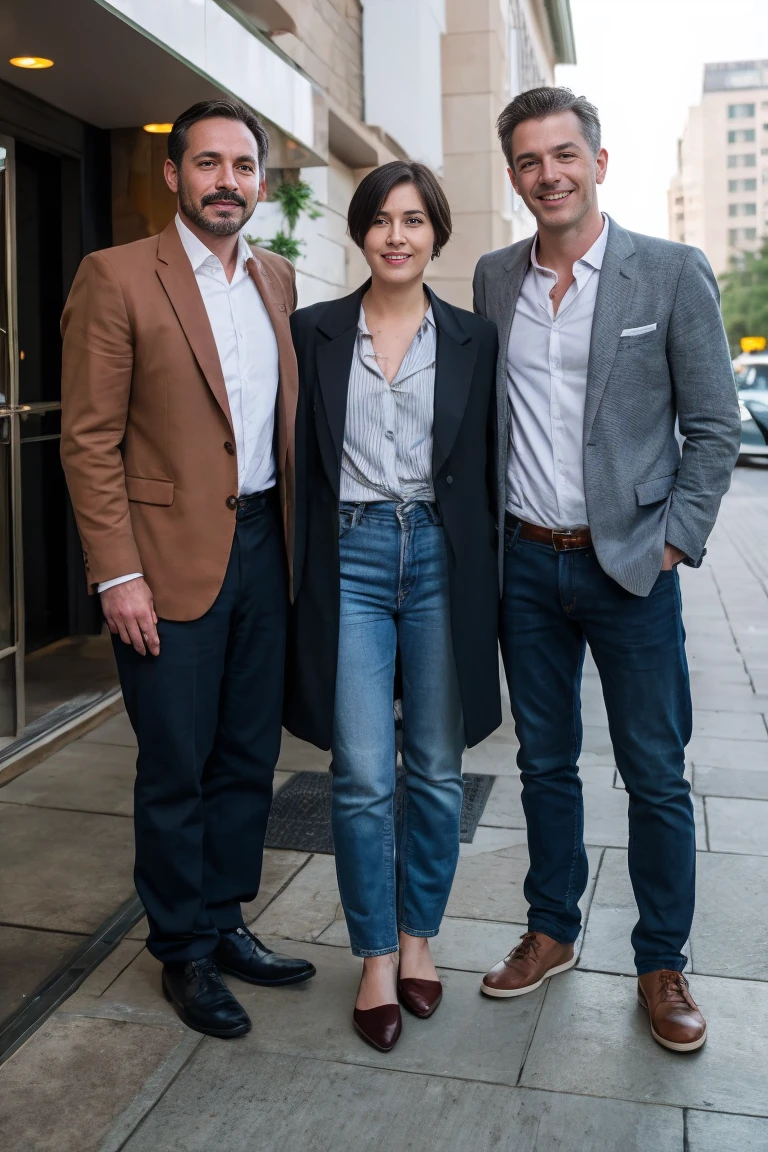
(97, 366)
(478, 290)
(707, 407)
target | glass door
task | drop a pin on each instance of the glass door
(11, 576)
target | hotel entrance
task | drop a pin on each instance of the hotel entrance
(54, 660)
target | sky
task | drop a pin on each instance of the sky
(641, 62)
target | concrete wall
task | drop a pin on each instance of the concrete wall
(328, 45)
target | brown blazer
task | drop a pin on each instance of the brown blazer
(147, 438)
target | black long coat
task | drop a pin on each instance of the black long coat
(465, 485)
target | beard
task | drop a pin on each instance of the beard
(225, 224)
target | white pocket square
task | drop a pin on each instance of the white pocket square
(640, 331)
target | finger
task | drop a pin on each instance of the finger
(111, 625)
(150, 636)
(122, 632)
(134, 631)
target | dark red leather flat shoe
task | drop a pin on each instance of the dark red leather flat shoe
(380, 1026)
(421, 997)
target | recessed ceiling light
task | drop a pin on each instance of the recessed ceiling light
(31, 62)
(159, 129)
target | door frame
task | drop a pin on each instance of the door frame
(11, 412)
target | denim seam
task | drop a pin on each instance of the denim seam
(422, 934)
(374, 951)
(575, 750)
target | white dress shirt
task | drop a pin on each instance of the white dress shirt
(547, 360)
(247, 347)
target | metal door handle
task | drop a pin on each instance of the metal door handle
(13, 409)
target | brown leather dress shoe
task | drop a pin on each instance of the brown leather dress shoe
(676, 1021)
(380, 1026)
(420, 997)
(527, 967)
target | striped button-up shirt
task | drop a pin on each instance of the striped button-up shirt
(388, 431)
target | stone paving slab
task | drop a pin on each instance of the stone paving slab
(64, 1089)
(42, 953)
(471, 1037)
(611, 1053)
(730, 725)
(715, 752)
(306, 907)
(287, 1104)
(718, 1132)
(731, 782)
(83, 777)
(730, 893)
(116, 730)
(738, 825)
(64, 871)
(469, 945)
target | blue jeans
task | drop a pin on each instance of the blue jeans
(394, 595)
(554, 604)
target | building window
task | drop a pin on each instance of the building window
(738, 235)
(743, 160)
(749, 184)
(742, 209)
(740, 111)
(741, 135)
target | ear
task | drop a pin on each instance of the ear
(171, 174)
(262, 190)
(513, 179)
(601, 166)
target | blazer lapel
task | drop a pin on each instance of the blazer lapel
(338, 324)
(456, 355)
(178, 280)
(614, 295)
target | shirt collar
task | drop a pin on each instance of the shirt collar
(362, 323)
(198, 253)
(593, 258)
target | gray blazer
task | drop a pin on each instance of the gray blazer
(641, 488)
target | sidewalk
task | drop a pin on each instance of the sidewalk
(570, 1068)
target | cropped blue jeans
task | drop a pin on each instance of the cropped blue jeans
(394, 595)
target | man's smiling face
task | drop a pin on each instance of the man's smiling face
(555, 170)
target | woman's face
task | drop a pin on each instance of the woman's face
(399, 243)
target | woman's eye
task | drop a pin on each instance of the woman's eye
(415, 220)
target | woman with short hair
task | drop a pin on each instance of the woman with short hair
(395, 555)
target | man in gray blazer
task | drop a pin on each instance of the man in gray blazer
(608, 339)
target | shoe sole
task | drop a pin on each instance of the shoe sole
(218, 1033)
(281, 983)
(670, 1044)
(373, 1043)
(507, 993)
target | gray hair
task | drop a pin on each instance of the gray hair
(537, 104)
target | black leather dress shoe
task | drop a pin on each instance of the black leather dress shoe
(202, 999)
(241, 954)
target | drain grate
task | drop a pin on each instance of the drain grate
(300, 819)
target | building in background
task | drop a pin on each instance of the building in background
(718, 198)
(87, 91)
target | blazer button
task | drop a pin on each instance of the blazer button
(229, 447)
(231, 501)
(449, 479)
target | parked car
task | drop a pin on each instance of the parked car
(752, 384)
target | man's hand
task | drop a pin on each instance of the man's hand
(672, 557)
(130, 613)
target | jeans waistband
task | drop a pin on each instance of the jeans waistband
(410, 512)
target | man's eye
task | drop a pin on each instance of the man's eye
(566, 155)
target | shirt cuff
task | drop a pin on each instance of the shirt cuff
(118, 580)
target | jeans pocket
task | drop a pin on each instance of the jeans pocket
(346, 520)
(511, 537)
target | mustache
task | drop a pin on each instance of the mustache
(217, 197)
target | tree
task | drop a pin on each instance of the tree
(745, 298)
(296, 199)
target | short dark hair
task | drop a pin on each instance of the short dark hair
(208, 110)
(373, 190)
(537, 104)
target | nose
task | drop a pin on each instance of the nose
(227, 178)
(396, 239)
(548, 173)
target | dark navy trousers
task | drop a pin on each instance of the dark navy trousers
(207, 716)
(554, 604)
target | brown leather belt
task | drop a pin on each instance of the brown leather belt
(561, 539)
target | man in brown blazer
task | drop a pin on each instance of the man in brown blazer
(179, 395)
